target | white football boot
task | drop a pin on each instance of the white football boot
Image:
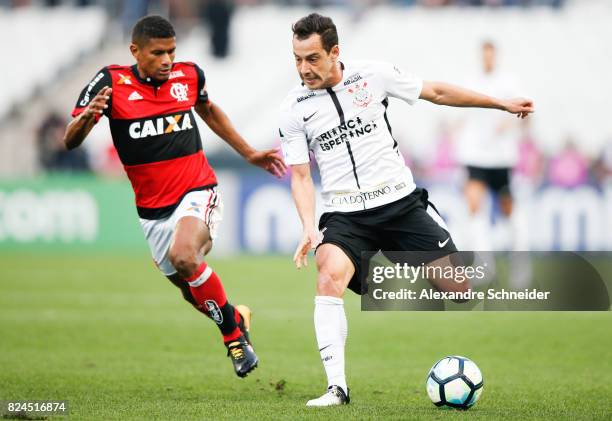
(334, 396)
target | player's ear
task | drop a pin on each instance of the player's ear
(134, 49)
(334, 52)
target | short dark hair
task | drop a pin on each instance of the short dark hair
(151, 27)
(317, 24)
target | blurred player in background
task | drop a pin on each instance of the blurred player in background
(488, 148)
(370, 200)
(149, 106)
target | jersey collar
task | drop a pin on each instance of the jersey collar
(148, 80)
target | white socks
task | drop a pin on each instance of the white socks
(331, 330)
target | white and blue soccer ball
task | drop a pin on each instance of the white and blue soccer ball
(454, 382)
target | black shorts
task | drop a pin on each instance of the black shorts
(404, 225)
(496, 179)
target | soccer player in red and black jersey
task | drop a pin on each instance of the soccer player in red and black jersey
(149, 106)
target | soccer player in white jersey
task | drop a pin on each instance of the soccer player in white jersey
(369, 196)
(488, 149)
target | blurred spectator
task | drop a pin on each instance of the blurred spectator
(443, 167)
(52, 153)
(569, 168)
(132, 11)
(135, 9)
(489, 3)
(531, 163)
(218, 14)
(603, 166)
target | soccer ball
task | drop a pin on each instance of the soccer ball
(454, 382)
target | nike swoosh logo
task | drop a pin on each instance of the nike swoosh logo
(325, 347)
(309, 117)
(444, 243)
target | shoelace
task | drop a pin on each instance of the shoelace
(235, 350)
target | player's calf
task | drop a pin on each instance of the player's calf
(184, 288)
(209, 294)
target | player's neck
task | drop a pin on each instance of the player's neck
(144, 77)
(142, 74)
(336, 75)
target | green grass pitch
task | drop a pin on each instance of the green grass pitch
(114, 338)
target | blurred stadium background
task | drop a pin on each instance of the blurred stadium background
(558, 51)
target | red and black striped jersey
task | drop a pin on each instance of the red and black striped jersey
(155, 133)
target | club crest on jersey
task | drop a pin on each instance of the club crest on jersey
(179, 91)
(159, 126)
(361, 96)
(214, 311)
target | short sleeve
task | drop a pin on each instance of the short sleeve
(399, 84)
(293, 140)
(89, 92)
(202, 92)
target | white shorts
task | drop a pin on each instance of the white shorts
(205, 205)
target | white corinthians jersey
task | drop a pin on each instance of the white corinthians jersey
(347, 130)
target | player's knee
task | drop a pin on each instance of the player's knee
(184, 260)
(330, 283)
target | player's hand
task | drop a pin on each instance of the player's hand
(270, 160)
(519, 106)
(310, 240)
(99, 103)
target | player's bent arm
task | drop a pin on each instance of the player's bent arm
(302, 189)
(446, 94)
(221, 125)
(78, 129)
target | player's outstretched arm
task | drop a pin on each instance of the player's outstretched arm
(446, 94)
(217, 120)
(80, 126)
(302, 189)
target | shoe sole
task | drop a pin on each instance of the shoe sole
(253, 367)
(325, 406)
